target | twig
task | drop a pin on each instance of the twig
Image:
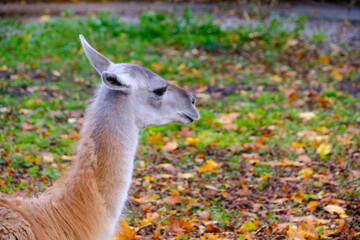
(245, 13)
(351, 6)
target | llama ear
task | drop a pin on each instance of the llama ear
(99, 62)
(120, 82)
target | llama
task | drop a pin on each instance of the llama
(89, 201)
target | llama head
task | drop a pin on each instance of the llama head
(155, 101)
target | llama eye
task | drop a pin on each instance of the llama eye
(160, 91)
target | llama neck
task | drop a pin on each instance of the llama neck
(110, 131)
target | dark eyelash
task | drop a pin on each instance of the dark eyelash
(160, 91)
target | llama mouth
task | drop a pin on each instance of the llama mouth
(188, 117)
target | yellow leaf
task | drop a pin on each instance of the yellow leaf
(192, 141)
(336, 209)
(297, 145)
(298, 197)
(195, 71)
(212, 237)
(125, 233)
(147, 198)
(181, 67)
(324, 59)
(336, 75)
(306, 171)
(307, 115)
(146, 220)
(264, 177)
(312, 205)
(149, 178)
(275, 78)
(324, 149)
(4, 68)
(210, 166)
(156, 66)
(155, 138)
(45, 18)
(248, 226)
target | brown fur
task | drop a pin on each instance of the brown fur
(83, 206)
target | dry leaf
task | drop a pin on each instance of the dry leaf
(155, 138)
(336, 209)
(204, 215)
(226, 120)
(150, 197)
(156, 66)
(186, 175)
(309, 218)
(27, 127)
(306, 116)
(192, 141)
(47, 157)
(298, 197)
(210, 166)
(125, 232)
(248, 226)
(275, 78)
(172, 200)
(157, 233)
(312, 205)
(323, 149)
(170, 146)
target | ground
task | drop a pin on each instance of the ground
(275, 153)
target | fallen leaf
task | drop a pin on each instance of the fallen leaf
(192, 141)
(150, 197)
(336, 75)
(247, 226)
(298, 197)
(47, 157)
(324, 59)
(125, 232)
(186, 175)
(27, 127)
(210, 228)
(204, 215)
(172, 200)
(306, 116)
(323, 149)
(156, 66)
(303, 159)
(312, 205)
(275, 78)
(45, 18)
(157, 233)
(309, 218)
(170, 146)
(307, 171)
(155, 138)
(227, 119)
(210, 166)
(336, 209)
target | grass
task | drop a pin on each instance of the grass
(294, 137)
